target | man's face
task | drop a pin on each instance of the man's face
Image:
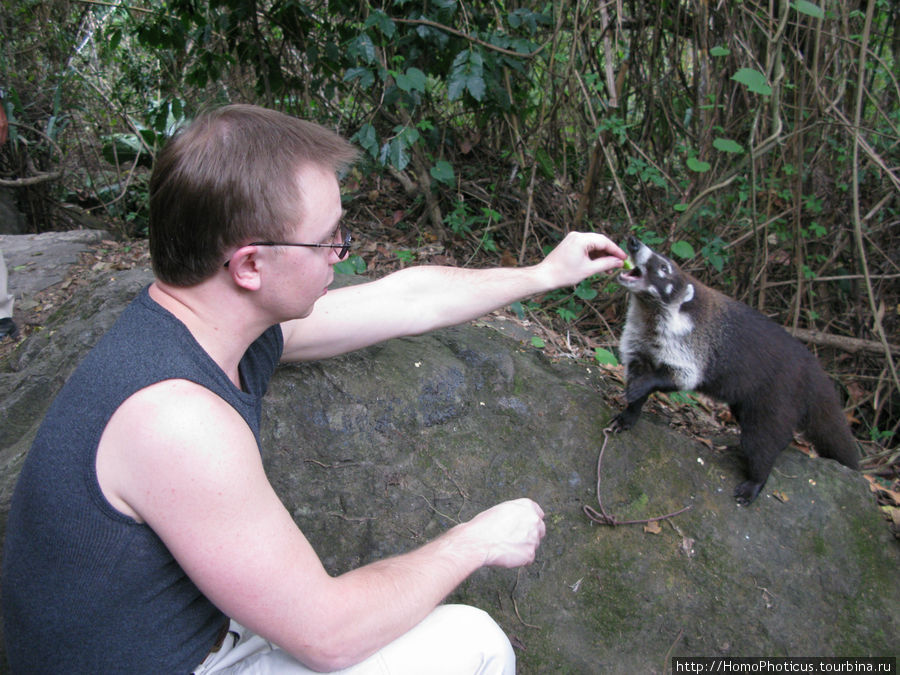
(303, 274)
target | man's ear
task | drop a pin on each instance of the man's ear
(243, 266)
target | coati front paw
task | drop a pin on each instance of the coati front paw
(746, 492)
(622, 422)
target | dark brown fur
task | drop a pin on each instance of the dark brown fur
(681, 334)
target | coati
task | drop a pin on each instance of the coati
(680, 334)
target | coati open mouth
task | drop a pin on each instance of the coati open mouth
(631, 277)
(634, 277)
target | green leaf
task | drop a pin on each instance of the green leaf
(365, 76)
(383, 21)
(683, 398)
(368, 139)
(398, 155)
(352, 265)
(476, 86)
(475, 81)
(697, 165)
(466, 74)
(680, 207)
(456, 84)
(605, 357)
(584, 291)
(407, 135)
(442, 171)
(364, 48)
(394, 153)
(754, 80)
(719, 51)
(412, 80)
(682, 249)
(808, 8)
(566, 314)
(537, 342)
(728, 145)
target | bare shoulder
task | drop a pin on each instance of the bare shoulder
(167, 435)
(183, 461)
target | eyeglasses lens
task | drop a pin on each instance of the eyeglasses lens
(344, 238)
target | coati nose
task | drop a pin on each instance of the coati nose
(634, 244)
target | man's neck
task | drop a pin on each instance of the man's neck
(220, 323)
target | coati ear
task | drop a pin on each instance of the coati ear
(688, 293)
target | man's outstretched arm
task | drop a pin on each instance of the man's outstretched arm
(419, 299)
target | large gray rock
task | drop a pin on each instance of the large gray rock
(378, 451)
(35, 262)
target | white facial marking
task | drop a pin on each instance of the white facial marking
(664, 333)
(643, 255)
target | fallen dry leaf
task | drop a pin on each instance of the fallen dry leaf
(653, 527)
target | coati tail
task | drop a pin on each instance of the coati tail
(827, 429)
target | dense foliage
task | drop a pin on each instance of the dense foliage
(758, 141)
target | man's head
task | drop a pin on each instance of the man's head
(228, 178)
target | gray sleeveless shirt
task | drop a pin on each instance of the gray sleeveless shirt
(86, 589)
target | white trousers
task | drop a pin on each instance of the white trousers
(6, 300)
(452, 640)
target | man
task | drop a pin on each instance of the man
(143, 533)
(7, 325)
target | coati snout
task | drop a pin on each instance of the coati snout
(653, 275)
(680, 334)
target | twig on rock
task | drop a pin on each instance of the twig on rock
(512, 596)
(601, 516)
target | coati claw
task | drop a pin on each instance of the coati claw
(616, 425)
(747, 492)
(622, 422)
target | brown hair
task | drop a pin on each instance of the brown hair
(230, 177)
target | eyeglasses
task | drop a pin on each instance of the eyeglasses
(342, 249)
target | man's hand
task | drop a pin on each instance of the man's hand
(508, 533)
(578, 256)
